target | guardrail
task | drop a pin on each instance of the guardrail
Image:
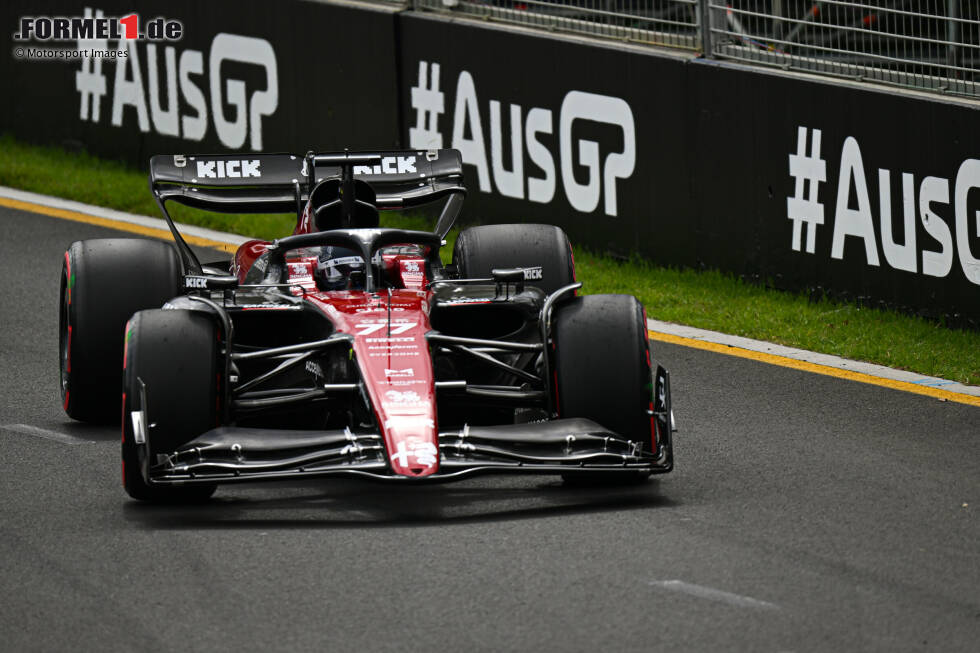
(931, 45)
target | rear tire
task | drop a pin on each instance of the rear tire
(174, 353)
(603, 373)
(481, 249)
(103, 282)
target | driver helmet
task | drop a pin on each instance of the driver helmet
(339, 268)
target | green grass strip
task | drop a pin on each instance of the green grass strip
(709, 300)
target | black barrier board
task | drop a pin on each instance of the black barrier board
(860, 191)
(593, 139)
(851, 189)
(243, 76)
(695, 163)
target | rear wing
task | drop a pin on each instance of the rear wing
(278, 183)
(282, 183)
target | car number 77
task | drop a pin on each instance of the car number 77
(399, 328)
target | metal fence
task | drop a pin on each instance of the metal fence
(926, 44)
(932, 45)
(672, 23)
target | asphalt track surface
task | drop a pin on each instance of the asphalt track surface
(806, 513)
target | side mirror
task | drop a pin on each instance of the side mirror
(506, 276)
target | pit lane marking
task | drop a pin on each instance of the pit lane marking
(38, 432)
(713, 594)
(915, 387)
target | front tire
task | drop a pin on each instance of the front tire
(603, 372)
(171, 358)
(103, 282)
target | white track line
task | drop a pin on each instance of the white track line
(713, 594)
(38, 432)
(121, 216)
(811, 357)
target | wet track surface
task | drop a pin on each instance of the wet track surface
(806, 513)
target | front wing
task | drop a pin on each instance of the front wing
(566, 446)
(229, 454)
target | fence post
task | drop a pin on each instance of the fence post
(952, 37)
(704, 21)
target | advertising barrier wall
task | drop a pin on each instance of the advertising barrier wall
(240, 76)
(809, 184)
(858, 191)
(593, 139)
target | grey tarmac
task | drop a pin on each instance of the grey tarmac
(806, 513)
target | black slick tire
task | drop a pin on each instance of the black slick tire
(171, 359)
(481, 249)
(603, 372)
(103, 282)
